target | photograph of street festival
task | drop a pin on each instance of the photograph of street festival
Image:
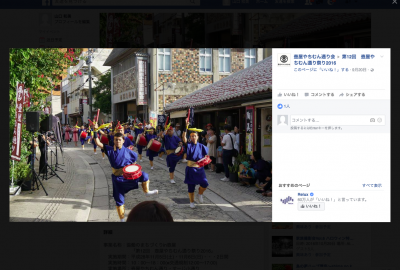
(141, 134)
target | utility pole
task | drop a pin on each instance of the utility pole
(163, 95)
(89, 62)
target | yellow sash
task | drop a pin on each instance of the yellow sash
(117, 172)
(192, 164)
(170, 152)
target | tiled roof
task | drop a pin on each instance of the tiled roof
(252, 80)
(310, 23)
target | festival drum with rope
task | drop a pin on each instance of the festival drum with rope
(204, 161)
(179, 150)
(154, 145)
(141, 140)
(83, 135)
(104, 139)
(130, 137)
(132, 172)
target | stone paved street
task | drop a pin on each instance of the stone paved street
(86, 194)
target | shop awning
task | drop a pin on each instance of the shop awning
(250, 81)
(310, 23)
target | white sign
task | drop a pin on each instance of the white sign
(125, 96)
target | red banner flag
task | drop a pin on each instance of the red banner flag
(16, 142)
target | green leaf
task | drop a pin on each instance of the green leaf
(25, 54)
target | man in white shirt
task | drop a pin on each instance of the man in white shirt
(227, 147)
(177, 131)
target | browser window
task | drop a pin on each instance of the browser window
(326, 146)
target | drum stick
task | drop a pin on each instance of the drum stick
(187, 125)
(166, 122)
(97, 118)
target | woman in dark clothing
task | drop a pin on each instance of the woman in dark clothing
(262, 167)
(33, 150)
(267, 188)
(43, 157)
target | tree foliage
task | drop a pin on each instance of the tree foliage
(102, 93)
(39, 70)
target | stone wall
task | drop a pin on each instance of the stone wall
(185, 68)
(186, 75)
(237, 60)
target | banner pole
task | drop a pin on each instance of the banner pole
(12, 178)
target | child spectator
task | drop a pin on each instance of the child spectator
(247, 175)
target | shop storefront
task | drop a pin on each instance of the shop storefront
(129, 87)
(75, 119)
(242, 99)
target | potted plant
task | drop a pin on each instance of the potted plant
(240, 158)
(233, 172)
(22, 175)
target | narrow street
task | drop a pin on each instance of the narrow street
(86, 194)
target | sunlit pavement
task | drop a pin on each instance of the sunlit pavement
(86, 194)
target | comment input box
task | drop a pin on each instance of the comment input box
(343, 120)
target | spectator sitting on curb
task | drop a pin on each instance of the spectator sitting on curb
(247, 175)
(261, 167)
(150, 211)
(267, 188)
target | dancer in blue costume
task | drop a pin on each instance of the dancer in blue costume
(120, 129)
(195, 175)
(138, 131)
(119, 157)
(171, 142)
(82, 129)
(127, 130)
(89, 135)
(106, 135)
(151, 154)
(111, 138)
(94, 144)
(162, 149)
